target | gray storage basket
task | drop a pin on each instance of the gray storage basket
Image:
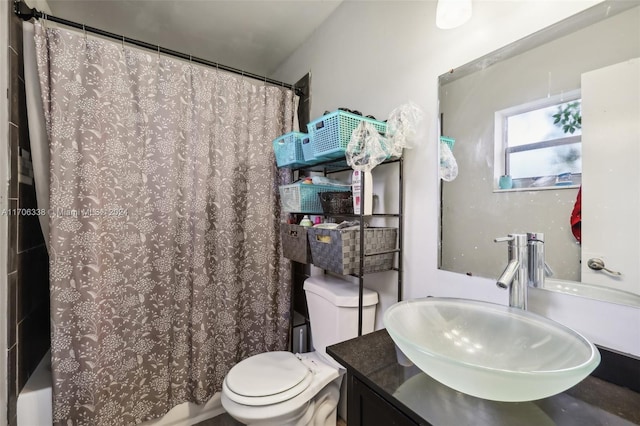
(338, 250)
(295, 244)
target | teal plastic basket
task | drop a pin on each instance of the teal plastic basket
(308, 152)
(331, 133)
(303, 198)
(288, 150)
(448, 141)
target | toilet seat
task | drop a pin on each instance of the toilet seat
(291, 411)
(282, 377)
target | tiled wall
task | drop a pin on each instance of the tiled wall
(28, 262)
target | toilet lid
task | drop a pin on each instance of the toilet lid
(269, 374)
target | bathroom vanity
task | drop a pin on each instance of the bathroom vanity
(383, 392)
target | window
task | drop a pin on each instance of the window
(539, 143)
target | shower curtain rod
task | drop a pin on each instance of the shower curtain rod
(23, 11)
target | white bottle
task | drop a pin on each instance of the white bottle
(306, 221)
(362, 192)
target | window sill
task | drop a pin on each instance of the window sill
(537, 188)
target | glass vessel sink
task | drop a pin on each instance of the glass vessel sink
(490, 351)
(593, 291)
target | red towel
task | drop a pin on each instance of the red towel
(576, 217)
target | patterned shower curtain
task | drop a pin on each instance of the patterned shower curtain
(165, 251)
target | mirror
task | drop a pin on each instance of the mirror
(555, 112)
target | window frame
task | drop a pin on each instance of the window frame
(502, 151)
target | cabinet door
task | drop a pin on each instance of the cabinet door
(367, 408)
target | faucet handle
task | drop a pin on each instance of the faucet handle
(518, 239)
(503, 239)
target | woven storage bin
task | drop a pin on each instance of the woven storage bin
(288, 150)
(295, 244)
(338, 250)
(303, 198)
(331, 133)
(336, 202)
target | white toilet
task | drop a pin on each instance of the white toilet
(281, 388)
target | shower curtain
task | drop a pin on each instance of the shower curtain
(164, 226)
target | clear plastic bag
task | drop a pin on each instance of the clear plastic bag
(448, 163)
(402, 127)
(367, 148)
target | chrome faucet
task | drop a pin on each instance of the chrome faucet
(515, 276)
(538, 268)
(526, 267)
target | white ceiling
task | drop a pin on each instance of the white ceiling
(254, 36)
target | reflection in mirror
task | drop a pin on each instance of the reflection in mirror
(547, 139)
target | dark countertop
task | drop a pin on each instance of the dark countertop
(372, 359)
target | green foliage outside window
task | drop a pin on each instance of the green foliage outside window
(569, 118)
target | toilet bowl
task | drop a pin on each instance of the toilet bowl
(286, 389)
(314, 397)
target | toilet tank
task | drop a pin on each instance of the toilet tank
(333, 310)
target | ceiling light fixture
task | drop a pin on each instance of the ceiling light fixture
(452, 13)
